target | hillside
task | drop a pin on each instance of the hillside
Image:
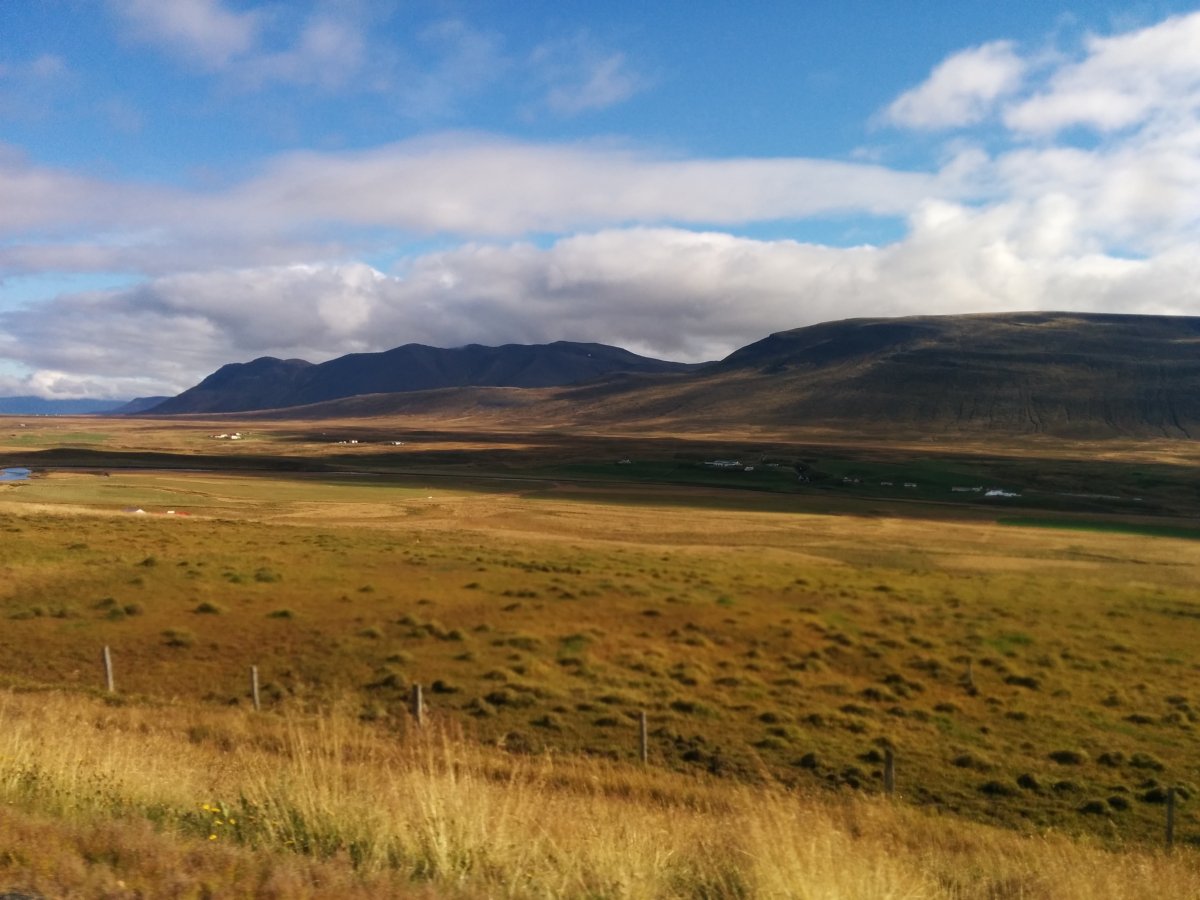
(269, 383)
(1029, 372)
(1060, 374)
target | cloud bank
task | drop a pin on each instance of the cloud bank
(666, 292)
(1066, 181)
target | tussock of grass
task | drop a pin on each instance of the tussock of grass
(104, 801)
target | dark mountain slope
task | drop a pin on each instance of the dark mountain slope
(271, 383)
(262, 384)
(1057, 373)
(1042, 372)
(137, 405)
(1063, 374)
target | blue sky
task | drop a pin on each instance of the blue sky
(185, 183)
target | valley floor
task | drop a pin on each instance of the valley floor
(1034, 684)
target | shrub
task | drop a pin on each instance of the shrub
(1155, 795)
(971, 761)
(1145, 761)
(178, 637)
(807, 761)
(997, 789)
(1025, 681)
(1069, 757)
(507, 697)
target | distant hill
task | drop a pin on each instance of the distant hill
(1068, 374)
(1054, 373)
(1057, 373)
(37, 406)
(137, 405)
(269, 383)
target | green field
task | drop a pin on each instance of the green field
(763, 644)
(1026, 661)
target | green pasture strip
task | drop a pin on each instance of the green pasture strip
(1169, 531)
(761, 478)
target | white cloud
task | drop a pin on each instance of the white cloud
(962, 90)
(667, 292)
(580, 76)
(1121, 82)
(37, 198)
(638, 253)
(30, 89)
(255, 48)
(327, 53)
(203, 31)
(453, 184)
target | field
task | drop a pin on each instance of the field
(781, 638)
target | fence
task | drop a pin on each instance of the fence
(417, 711)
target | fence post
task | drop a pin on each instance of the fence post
(108, 670)
(889, 771)
(1170, 817)
(418, 707)
(642, 741)
(254, 688)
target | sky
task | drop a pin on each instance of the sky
(189, 183)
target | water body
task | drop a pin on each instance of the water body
(14, 474)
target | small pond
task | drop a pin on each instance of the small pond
(14, 474)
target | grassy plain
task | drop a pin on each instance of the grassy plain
(779, 642)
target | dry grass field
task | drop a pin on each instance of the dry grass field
(177, 800)
(779, 644)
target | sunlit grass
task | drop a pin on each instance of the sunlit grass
(375, 808)
(774, 646)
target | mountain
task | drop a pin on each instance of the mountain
(37, 406)
(1059, 373)
(1069, 374)
(269, 383)
(1064, 374)
(265, 383)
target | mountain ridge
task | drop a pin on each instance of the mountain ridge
(270, 383)
(1076, 375)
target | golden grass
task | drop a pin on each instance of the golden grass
(105, 801)
(755, 632)
(754, 640)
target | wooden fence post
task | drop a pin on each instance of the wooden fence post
(642, 740)
(1170, 817)
(889, 771)
(254, 688)
(418, 707)
(108, 670)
